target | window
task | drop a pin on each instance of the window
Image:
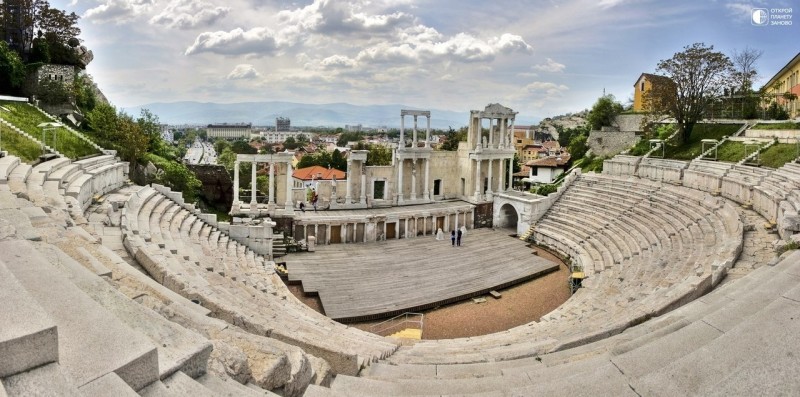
(437, 187)
(534, 171)
(641, 87)
(378, 190)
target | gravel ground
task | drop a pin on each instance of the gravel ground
(519, 305)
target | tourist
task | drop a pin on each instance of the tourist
(453, 237)
(314, 201)
(302, 206)
(458, 238)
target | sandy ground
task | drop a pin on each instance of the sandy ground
(519, 305)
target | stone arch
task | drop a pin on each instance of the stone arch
(508, 217)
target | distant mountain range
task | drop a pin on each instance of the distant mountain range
(301, 114)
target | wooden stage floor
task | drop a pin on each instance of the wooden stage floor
(365, 281)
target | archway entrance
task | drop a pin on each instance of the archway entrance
(508, 217)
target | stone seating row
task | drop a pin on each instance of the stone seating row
(95, 329)
(66, 331)
(346, 348)
(681, 353)
(649, 275)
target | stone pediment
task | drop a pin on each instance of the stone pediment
(496, 110)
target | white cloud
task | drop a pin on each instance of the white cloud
(118, 11)
(332, 17)
(547, 88)
(338, 61)
(511, 43)
(256, 41)
(186, 14)
(549, 66)
(244, 71)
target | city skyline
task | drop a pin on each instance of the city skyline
(541, 58)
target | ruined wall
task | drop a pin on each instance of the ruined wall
(629, 122)
(610, 143)
(444, 166)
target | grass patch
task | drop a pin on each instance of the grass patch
(733, 152)
(694, 146)
(777, 126)
(27, 118)
(592, 164)
(779, 154)
(18, 145)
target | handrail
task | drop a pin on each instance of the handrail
(393, 324)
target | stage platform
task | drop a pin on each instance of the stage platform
(358, 282)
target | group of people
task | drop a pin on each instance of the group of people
(455, 237)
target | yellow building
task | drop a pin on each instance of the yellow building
(787, 80)
(643, 84)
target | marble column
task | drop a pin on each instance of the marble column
(253, 190)
(477, 180)
(272, 182)
(491, 133)
(400, 182)
(363, 197)
(402, 132)
(289, 205)
(456, 228)
(428, 132)
(347, 197)
(427, 191)
(414, 137)
(500, 175)
(235, 181)
(414, 178)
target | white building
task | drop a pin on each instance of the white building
(280, 136)
(229, 131)
(546, 170)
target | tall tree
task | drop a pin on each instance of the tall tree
(604, 111)
(744, 62)
(12, 70)
(699, 75)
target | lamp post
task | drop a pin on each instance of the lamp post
(49, 127)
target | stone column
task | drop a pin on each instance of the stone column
(347, 197)
(428, 132)
(402, 131)
(363, 197)
(272, 182)
(503, 131)
(254, 165)
(414, 138)
(500, 175)
(456, 228)
(289, 205)
(477, 180)
(400, 182)
(427, 192)
(414, 178)
(235, 181)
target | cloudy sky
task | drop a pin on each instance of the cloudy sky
(540, 57)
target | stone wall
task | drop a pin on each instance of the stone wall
(629, 122)
(783, 136)
(610, 143)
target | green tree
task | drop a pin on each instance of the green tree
(578, 147)
(227, 158)
(243, 147)
(132, 142)
(291, 143)
(379, 155)
(453, 137)
(345, 137)
(220, 145)
(604, 111)
(102, 120)
(698, 75)
(83, 92)
(53, 92)
(12, 70)
(338, 161)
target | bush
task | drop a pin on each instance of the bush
(176, 176)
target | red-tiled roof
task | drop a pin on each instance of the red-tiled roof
(551, 161)
(318, 173)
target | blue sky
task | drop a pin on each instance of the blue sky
(541, 58)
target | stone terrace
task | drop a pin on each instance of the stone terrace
(392, 277)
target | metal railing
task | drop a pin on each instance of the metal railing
(398, 323)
